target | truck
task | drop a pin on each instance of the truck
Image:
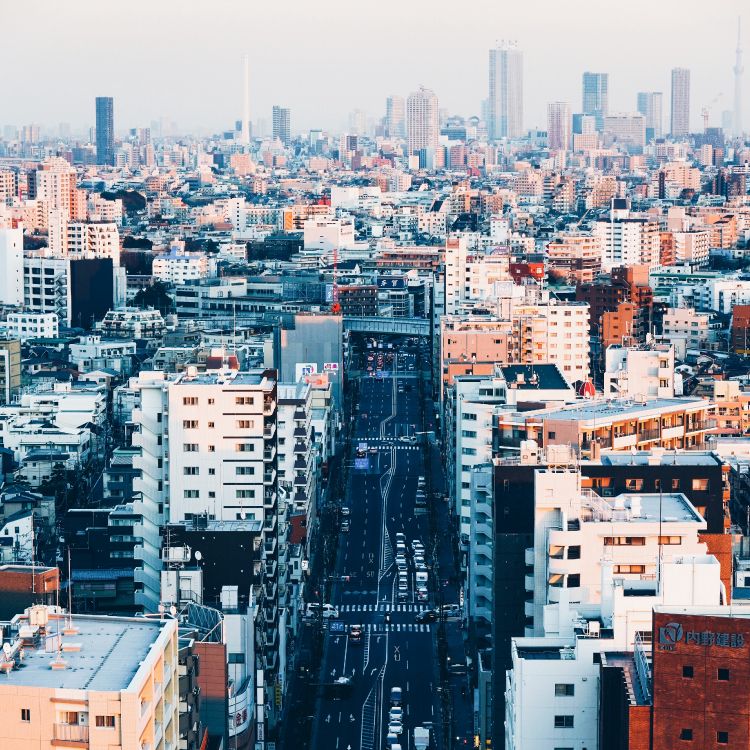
(421, 738)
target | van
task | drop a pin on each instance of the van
(313, 608)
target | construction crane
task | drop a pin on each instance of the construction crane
(706, 109)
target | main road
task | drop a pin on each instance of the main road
(394, 649)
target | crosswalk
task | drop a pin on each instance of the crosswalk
(392, 627)
(413, 608)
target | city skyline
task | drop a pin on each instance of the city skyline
(459, 78)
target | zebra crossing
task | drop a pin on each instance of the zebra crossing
(413, 608)
(392, 627)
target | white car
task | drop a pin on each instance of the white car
(396, 714)
(395, 727)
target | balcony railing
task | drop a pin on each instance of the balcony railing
(70, 733)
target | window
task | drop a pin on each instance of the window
(244, 448)
(245, 424)
(211, 493)
(686, 734)
(634, 485)
(212, 472)
(190, 471)
(191, 494)
(670, 540)
(722, 674)
(574, 580)
(212, 449)
(189, 424)
(687, 672)
(468, 433)
(564, 689)
(244, 400)
(242, 471)
(722, 738)
(629, 569)
(190, 447)
(551, 435)
(105, 721)
(25, 714)
(564, 721)
(574, 552)
(633, 541)
(675, 484)
(469, 451)
(211, 425)
(700, 485)
(244, 494)
(187, 401)
(210, 401)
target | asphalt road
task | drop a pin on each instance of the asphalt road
(398, 652)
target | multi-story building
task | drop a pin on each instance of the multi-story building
(132, 323)
(105, 130)
(680, 103)
(651, 106)
(422, 121)
(595, 100)
(31, 325)
(11, 266)
(395, 117)
(282, 128)
(92, 353)
(178, 267)
(627, 240)
(574, 257)
(627, 130)
(358, 299)
(505, 96)
(108, 681)
(697, 330)
(46, 286)
(10, 369)
(559, 123)
(641, 372)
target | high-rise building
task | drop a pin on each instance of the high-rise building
(282, 124)
(395, 117)
(680, 107)
(651, 106)
(558, 126)
(423, 120)
(105, 130)
(596, 96)
(627, 130)
(505, 101)
(738, 71)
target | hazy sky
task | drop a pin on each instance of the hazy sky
(182, 59)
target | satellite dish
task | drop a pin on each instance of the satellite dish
(198, 555)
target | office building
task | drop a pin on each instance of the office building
(107, 681)
(422, 121)
(105, 130)
(595, 100)
(651, 106)
(395, 117)
(679, 123)
(11, 267)
(282, 124)
(626, 130)
(505, 96)
(558, 126)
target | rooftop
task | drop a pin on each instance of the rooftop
(111, 651)
(610, 409)
(668, 458)
(534, 377)
(639, 507)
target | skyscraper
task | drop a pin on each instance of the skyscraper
(395, 117)
(105, 130)
(680, 109)
(738, 71)
(422, 120)
(245, 124)
(559, 126)
(651, 106)
(505, 110)
(282, 124)
(596, 96)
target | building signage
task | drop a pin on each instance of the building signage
(330, 366)
(671, 634)
(337, 626)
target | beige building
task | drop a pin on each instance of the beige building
(89, 682)
(10, 369)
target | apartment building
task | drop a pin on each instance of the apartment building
(574, 257)
(92, 353)
(90, 681)
(25, 326)
(10, 369)
(132, 323)
(11, 266)
(179, 267)
(696, 330)
(627, 240)
(641, 372)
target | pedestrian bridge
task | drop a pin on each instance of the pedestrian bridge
(396, 326)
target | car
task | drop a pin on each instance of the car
(345, 511)
(355, 634)
(400, 536)
(395, 727)
(426, 617)
(403, 586)
(396, 695)
(451, 610)
(391, 741)
(408, 439)
(345, 525)
(417, 546)
(400, 556)
(313, 608)
(423, 596)
(401, 566)
(396, 713)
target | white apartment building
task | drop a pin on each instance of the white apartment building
(91, 353)
(11, 266)
(46, 286)
(637, 373)
(695, 328)
(26, 326)
(56, 186)
(692, 247)
(577, 532)
(180, 267)
(455, 274)
(89, 681)
(627, 241)
(104, 210)
(552, 689)
(132, 323)
(323, 234)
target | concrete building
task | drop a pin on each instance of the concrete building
(627, 130)
(505, 95)
(92, 353)
(559, 124)
(696, 329)
(179, 267)
(11, 266)
(651, 106)
(90, 681)
(627, 240)
(395, 117)
(422, 121)
(105, 130)
(595, 98)
(641, 372)
(680, 103)
(132, 323)
(282, 127)
(26, 326)
(10, 369)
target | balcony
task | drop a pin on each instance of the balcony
(70, 733)
(300, 480)
(269, 499)
(300, 432)
(269, 453)
(562, 566)
(528, 609)
(269, 407)
(528, 583)
(269, 477)
(300, 447)
(301, 463)
(269, 431)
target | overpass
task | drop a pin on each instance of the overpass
(396, 326)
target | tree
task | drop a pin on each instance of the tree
(155, 296)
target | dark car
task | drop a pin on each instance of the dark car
(427, 617)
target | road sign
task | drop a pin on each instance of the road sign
(336, 626)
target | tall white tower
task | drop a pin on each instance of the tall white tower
(738, 71)
(245, 135)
